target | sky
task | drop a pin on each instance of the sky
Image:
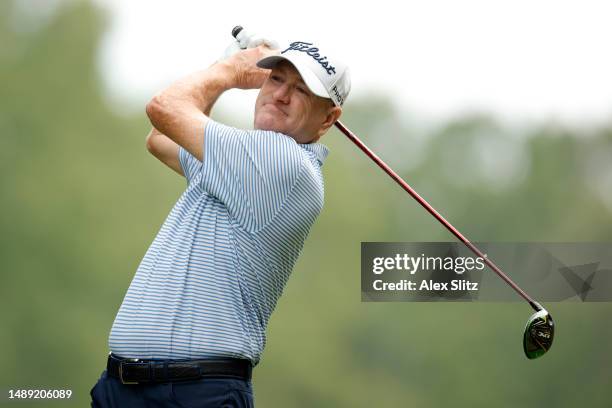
(520, 60)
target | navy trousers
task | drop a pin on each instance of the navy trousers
(109, 392)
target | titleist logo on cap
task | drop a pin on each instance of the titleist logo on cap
(313, 52)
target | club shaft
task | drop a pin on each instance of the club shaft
(536, 306)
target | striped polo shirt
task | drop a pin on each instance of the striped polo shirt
(210, 280)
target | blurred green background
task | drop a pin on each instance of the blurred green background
(82, 200)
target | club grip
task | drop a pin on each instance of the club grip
(236, 30)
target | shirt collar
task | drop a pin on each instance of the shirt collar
(319, 150)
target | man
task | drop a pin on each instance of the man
(192, 324)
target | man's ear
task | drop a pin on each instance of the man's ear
(333, 114)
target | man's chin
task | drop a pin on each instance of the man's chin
(268, 124)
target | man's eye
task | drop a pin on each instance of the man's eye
(275, 78)
(301, 90)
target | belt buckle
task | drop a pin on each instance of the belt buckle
(127, 360)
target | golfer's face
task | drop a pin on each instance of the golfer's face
(286, 105)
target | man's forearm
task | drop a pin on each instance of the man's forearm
(200, 89)
(180, 111)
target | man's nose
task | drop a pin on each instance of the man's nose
(283, 93)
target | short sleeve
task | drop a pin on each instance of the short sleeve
(190, 164)
(251, 171)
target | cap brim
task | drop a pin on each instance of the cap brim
(309, 77)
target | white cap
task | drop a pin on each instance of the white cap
(325, 77)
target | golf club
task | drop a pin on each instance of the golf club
(540, 328)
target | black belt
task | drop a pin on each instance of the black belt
(137, 371)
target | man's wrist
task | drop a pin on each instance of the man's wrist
(223, 74)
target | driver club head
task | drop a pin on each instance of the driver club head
(539, 334)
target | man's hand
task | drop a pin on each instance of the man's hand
(181, 111)
(243, 70)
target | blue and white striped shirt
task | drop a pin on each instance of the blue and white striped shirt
(210, 280)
